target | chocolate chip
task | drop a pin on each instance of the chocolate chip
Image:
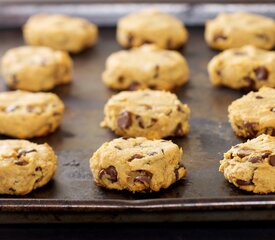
(176, 171)
(178, 130)
(22, 152)
(169, 44)
(251, 83)
(117, 147)
(156, 71)
(218, 37)
(143, 177)
(135, 156)
(152, 86)
(261, 73)
(250, 128)
(11, 108)
(265, 154)
(259, 97)
(244, 183)
(140, 122)
(169, 113)
(21, 163)
(12, 190)
(124, 119)
(134, 86)
(152, 153)
(153, 122)
(110, 172)
(271, 160)
(272, 109)
(270, 131)
(38, 169)
(162, 151)
(255, 159)
(120, 79)
(243, 152)
(56, 114)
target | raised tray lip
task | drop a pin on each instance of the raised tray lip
(155, 205)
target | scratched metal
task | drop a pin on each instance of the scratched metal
(73, 197)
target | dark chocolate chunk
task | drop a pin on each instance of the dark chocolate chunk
(255, 159)
(251, 83)
(38, 169)
(271, 160)
(259, 97)
(117, 147)
(270, 131)
(219, 37)
(261, 73)
(179, 109)
(152, 86)
(110, 172)
(265, 154)
(244, 183)
(140, 122)
(124, 119)
(178, 130)
(143, 177)
(153, 122)
(133, 86)
(22, 152)
(219, 73)
(251, 128)
(152, 153)
(135, 156)
(244, 152)
(147, 42)
(21, 163)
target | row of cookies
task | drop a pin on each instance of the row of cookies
(24, 165)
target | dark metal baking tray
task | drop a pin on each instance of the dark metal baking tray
(73, 197)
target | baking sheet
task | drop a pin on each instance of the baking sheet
(72, 195)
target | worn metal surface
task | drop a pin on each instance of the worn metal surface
(73, 197)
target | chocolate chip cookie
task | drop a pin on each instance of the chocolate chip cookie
(25, 166)
(146, 113)
(36, 68)
(254, 113)
(60, 32)
(28, 115)
(250, 166)
(145, 67)
(232, 30)
(151, 26)
(246, 68)
(137, 164)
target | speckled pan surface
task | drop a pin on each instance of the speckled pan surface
(72, 196)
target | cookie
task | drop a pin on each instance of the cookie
(28, 115)
(145, 67)
(146, 113)
(250, 166)
(246, 68)
(36, 68)
(25, 166)
(60, 32)
(233, 30)
(151, 26)
(254, 113)
(137, 164)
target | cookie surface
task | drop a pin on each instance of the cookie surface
(245, 68)
(145, 67)
(28, 115)
(232, 30)
(254, 113)
(36, 68)
(146, 113)
(250, 166)
(25, 166)
(60, 32)
(137, 164)
(151, 26)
